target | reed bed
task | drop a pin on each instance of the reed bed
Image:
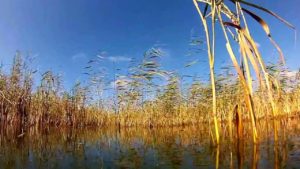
(48, 104)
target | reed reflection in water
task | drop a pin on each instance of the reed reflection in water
(178, 147)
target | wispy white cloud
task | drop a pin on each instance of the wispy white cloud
(102, 54)
(159, 44)
(79, 56)
(119, 59)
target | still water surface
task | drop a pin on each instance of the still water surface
(180, 147)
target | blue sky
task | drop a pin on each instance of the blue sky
(64, 35)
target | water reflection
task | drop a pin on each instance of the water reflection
(187, 147)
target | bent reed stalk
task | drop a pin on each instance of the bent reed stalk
(249, 50)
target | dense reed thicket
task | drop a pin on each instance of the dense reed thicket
(139, 100)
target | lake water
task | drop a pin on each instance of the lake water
(177, 147)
